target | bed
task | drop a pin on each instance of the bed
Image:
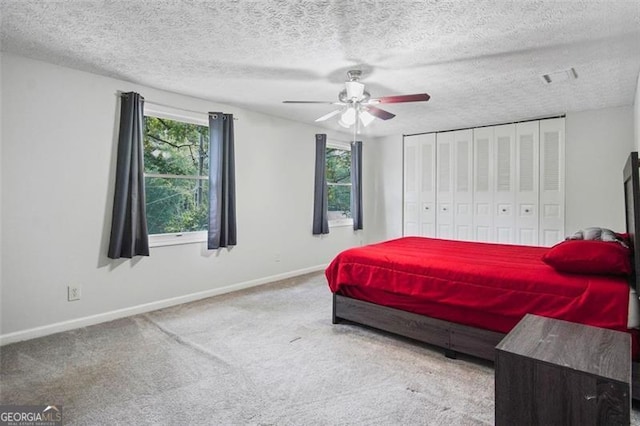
(465, 296)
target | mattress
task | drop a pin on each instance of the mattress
(490, 286)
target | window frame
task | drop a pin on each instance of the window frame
(337, 223)
(175, 238)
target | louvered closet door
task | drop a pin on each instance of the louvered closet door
(483, 184)
(527, 178)
(444, 183)
(551, 181)
(427, 174)
(504, 196)
(419, 185)
(411, 186)
(463, 184)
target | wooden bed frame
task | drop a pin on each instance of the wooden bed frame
(456, 338)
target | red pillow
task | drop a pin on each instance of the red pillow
(624, 237)
(589, 257)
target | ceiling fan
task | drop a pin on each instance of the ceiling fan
(357, 105)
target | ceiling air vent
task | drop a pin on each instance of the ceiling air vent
(559, 76)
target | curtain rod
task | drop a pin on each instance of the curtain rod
(173, 107)
(181, 109)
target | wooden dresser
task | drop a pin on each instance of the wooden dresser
(552, 372)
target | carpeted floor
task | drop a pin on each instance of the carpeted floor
(264, 356)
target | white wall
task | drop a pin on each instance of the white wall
(1, 172)
(597, 145)
(636, 114)
(58, 162)
(384, 177)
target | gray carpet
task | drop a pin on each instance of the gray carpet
(264, 356)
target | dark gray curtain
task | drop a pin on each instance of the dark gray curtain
(129, 235)
(356, 184)
(222, 182)
(320, 202)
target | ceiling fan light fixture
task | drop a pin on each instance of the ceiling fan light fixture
(355, 89)
(343, 124)
(366, 118)
(348, 117)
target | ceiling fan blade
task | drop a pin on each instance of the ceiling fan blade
(309, 102)
(328, 116)
(419, 97)
(380, 113)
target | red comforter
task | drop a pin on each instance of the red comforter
(490, 286)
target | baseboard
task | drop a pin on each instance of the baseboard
(46, 330)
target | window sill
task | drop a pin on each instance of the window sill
(340, 223)
(160, 240)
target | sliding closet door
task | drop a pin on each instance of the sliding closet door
(551, 181)
(463, 184)
(504, 196)
(444, 183)
(483, 179)
(419, 185)
(527, 178)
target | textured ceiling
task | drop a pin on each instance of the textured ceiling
(480, 60)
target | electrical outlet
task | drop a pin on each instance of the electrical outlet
(277, 257)
(73, 293)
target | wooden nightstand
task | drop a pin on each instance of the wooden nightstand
(552, 372)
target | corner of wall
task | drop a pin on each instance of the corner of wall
(636, 115)
(79, 103)
(1, 190)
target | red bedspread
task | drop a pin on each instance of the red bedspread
(490, 286)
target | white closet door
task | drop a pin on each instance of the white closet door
(463, 184)
(411, 212)
(551, 181)
(527, 178)
(427, 173)
(420, 185)
(444, 183)
(504, 184)
(483, 184)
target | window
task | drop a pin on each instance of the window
(176, 162)
(339, 185)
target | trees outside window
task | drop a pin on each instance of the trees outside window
(339, 185)
(176, 161)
